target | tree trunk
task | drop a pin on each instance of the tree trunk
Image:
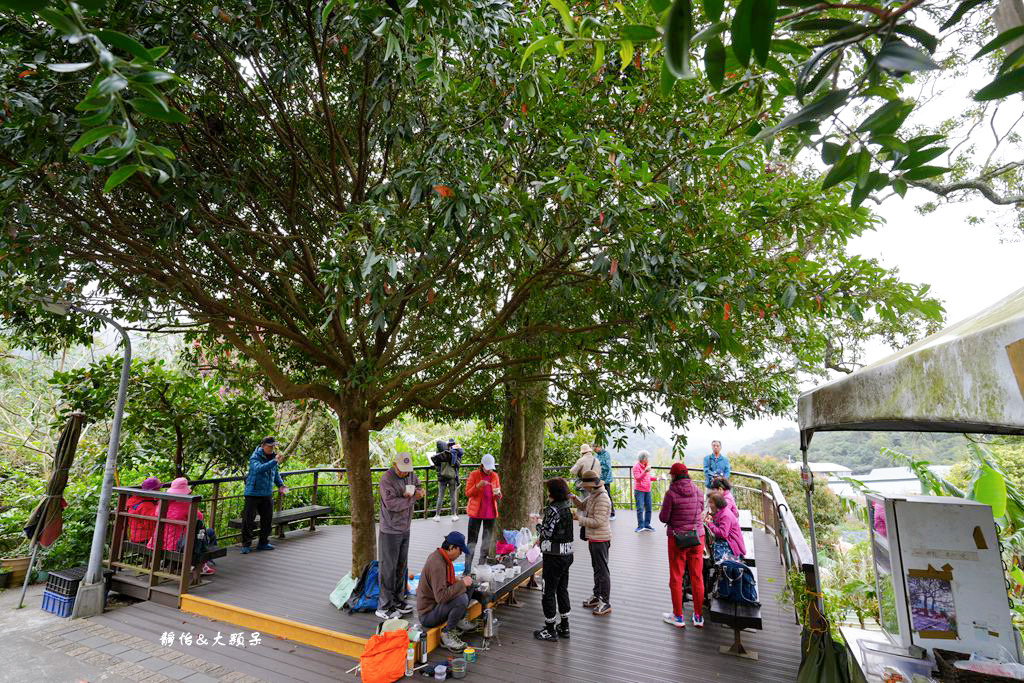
(355, 436)
(522, 452)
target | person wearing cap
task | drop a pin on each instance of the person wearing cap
(447, 454)
(683, 510)
(586, 461)
(441, 598)
(400, 488)
(264, 474)
(141, 530)
(483, 488)
(594, 515)
(178, 509)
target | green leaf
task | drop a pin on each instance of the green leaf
(898, 56)
(539, 44)
(1017, 575)
(326, 12)
(990, 489)
(922, 172)
(93, 135)
(639, 33)
(667, 80)
(1006, 84)
(713, 9)
(899, 187)
(158, 52)
(804, 82)
(659, 6)
(126, 43)
(111, 84)
(844, 170)
(741, 31)
(598, 58)
(831, 152)
(788, 297)
(563, 10)
(152, 77)
(1000, 40)
(107, 155)
(156, 111)
(626, 53)
(926, 39)
(921, 157)
(855, 313)
(817, 110)
(68, 68)
(59, 21)
(886, 119)
(714, 62)
(120, 175)
(958, 14)
(708, 32)
(678, 31)
(762, 24)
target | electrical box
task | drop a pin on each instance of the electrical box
(939, 575)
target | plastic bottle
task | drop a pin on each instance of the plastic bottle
(410, 660)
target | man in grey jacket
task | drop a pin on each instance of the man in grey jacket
(400, 488)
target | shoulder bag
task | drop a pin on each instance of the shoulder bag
(689, 538)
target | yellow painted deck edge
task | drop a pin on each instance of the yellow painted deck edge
(307, 634)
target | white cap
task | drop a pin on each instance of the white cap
(403, 463)
(488, 462)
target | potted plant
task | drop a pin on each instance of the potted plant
(14, 555)
(5, 577)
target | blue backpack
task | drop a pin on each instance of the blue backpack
(736, 583)
(367, 592)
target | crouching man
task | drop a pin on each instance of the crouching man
(442, 597)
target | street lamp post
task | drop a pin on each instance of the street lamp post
(91, 596)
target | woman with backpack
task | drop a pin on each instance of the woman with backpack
(483, 488)
(586, 461)
(556, 537)
(682, 512)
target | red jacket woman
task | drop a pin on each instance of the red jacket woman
(682, 510)
(483, 489)
(141, 530)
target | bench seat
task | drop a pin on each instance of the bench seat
(290, 515)
(748, 543)
(734, 615)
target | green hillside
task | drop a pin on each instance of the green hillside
(861, 451)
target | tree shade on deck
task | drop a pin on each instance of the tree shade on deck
(632, 644)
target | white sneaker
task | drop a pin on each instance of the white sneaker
(385, 614)
(672, 619)
(455, 518)
(437, 518)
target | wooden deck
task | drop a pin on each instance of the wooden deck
(632, 644)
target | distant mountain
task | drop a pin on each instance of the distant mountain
(659, 448)
(861, 451)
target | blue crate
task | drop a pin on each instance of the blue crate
(58, 604)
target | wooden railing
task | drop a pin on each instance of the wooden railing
(222, 499)
(155, 563)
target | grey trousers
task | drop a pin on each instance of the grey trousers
(393, 557)
(449, 612)
(487, 541)
(451, 486)
(602, 577)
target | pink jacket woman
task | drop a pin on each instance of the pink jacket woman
(642, 477)
(176, 510)
(725, 525)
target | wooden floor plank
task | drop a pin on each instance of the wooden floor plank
(632, 644)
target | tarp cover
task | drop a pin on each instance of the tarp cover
(966, 378)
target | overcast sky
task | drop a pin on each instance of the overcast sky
(968, 266)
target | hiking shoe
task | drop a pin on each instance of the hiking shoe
(465, 625)
(612, 516)
(450, 640)
(265, 546)
(672, 619)
(207, 570)
(403, 608)
(546, 633)
(638, 530)
(698, 622)
(245, 550)
(648, 528)
(386, 614)
(563, 629)
(602, 609)
(437, 518)
(591, 602)
(455, 518)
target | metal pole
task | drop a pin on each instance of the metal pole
(809, 490)
(91, 599)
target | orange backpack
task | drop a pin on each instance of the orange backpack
(383, 660)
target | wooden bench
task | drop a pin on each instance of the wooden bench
(290, 516)
(746, 520)
(173, 557)
(748, 545)
(737, 617)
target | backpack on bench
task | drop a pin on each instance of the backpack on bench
(735, 583)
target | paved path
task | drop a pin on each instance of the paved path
(37, 646)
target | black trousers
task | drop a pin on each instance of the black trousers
(602, 576)
(556, 586)
(257, 505)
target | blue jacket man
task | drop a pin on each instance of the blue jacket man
(715, 465)
(264, 473)
(607, 474)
